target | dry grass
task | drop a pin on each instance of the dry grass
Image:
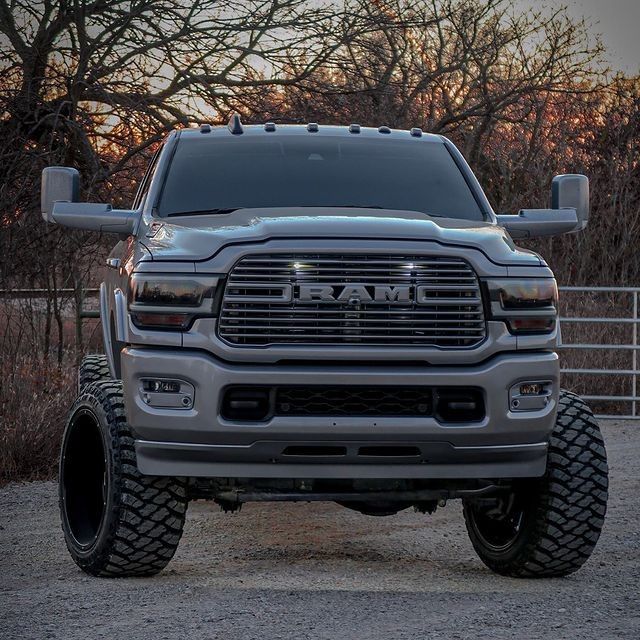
(36, 392)
(34, 400)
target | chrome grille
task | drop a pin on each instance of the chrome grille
(439, 303)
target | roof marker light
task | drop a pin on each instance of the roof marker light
(354, 128)
(312, 127)
(269, 126)
(205, 128)
(235, 124)
(384, 130)
(416, 132)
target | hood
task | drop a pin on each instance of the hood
(198, 238)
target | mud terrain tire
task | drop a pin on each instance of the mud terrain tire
(549, 527)
(93, 368)
(116, 522)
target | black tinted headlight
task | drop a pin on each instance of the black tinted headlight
(527, 305)
(170, 301)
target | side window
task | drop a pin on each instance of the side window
(143, 189)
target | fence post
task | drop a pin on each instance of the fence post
(78, 295)
(634, 357)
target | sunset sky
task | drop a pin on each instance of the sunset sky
(617, 20)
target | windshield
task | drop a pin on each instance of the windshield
(214, 174)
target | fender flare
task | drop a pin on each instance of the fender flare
(114, 324)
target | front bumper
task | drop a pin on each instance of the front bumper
(198, 442)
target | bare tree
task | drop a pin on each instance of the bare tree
(81, 74)
(95, 84)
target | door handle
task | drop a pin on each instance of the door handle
(114, 263)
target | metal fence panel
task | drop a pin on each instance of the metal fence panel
(632, 346)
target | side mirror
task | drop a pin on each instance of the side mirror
(59, 184)
(569, 211)
(571, 191)
(59, 205)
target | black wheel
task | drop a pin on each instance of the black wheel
(93, 368)
(548, 527)
(116, 522)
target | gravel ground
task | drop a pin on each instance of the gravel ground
(320, 571)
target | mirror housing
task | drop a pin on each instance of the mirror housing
(93, 216)
(59, 205)
(569, 211)
(59, 184)
(571, 191)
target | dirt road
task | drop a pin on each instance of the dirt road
(319, 571)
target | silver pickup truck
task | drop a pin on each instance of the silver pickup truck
(325, 313)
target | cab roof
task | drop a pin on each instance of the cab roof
(237, 128)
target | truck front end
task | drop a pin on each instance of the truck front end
(334, 313)
(343, 359)
(351, 311)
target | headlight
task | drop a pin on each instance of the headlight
(527, 305)
(159, 301)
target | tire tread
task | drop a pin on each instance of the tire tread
(147, 514)
(93, 368)
(571, 499)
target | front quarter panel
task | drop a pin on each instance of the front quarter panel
(113, 294)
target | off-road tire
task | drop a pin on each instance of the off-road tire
(93, 368)
(563, 512)
(116, 522)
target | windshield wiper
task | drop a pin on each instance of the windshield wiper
(203, 212)
(344, 206)
(355, 206)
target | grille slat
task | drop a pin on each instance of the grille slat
(343, 337)
(371, 270)
(381, 325)
(338, 313)
(354, 259)
(230, 322)
(441, 304)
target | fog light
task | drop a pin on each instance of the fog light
(161, 386)
(530, 396)
(531, 389)
(167, 393)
